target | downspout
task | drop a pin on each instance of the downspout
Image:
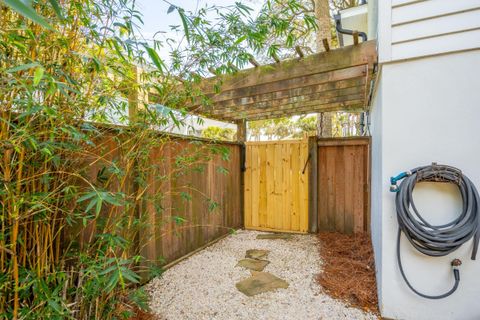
(338, 27)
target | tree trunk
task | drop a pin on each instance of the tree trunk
(322, 13)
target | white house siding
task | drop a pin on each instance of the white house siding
(415, 28)
(377, 184)
(425, 110)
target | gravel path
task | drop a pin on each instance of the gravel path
(203, 286)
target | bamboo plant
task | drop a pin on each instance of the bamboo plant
(75, 164)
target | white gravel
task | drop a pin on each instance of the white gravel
(203, 286)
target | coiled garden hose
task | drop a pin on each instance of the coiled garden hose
(436, 240)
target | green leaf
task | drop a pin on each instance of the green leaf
(131, 276)
(55, 306)
(178, 220)
(99, 206)
(37, 77)
(245, 10)
(239, 40)
(185, 196)
(87, 196)
(57, 8)
(155, 58)
(91, 204)
(222, 170)
(171, 9)
(184, 18)
(28, 12)
(23, 67)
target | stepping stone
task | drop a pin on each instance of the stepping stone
(256, 253)
(260, 282)
(253, 264)
(285, 236)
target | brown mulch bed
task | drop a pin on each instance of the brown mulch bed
(349, 269)
(142, 315)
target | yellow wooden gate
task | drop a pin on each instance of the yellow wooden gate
(276, 186)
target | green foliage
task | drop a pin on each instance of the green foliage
(218, 133)
(282, 128)
(28, 12)
(71, 183)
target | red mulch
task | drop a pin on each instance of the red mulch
(349, 269)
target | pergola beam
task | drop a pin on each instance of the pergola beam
(351, 106)
(292, 83)
(299, 52)
(289, 93)
(295, 105)
(326, 46)
(253, 62)
(345, 57)
(277, 103)
(335, 80)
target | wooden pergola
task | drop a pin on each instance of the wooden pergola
(335, 80)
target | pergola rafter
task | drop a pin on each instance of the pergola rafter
(336, 80)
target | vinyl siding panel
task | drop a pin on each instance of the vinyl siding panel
(418, 28)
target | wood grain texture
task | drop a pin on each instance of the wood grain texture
(278, 188)
(343, 184)
(329, 81)
(175, 225)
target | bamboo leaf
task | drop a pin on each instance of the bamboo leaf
(28, 12)
(171, 9)
(23, 67)
(57, 8)
(184, 19)
(87, 196)
(155, 58)
(91, 204)
(130, 275)
(99, 206)
(37, 77)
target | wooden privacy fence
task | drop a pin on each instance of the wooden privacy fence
(340, 173)
(184, 207)
(214, 207)
(276, 188)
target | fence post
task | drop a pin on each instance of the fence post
(313, 187)
(242, 137)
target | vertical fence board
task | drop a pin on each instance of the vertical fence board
(286, 187)
(348, 190)
(248, 186)
(339, 187)
(214, 207)
(270, 187)
(255, 173)
(303, 187)
(262, 213)
(331, 182)
(278, 189)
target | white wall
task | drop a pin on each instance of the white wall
(425, 110)
(413, 28)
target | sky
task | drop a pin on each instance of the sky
(156, 19)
